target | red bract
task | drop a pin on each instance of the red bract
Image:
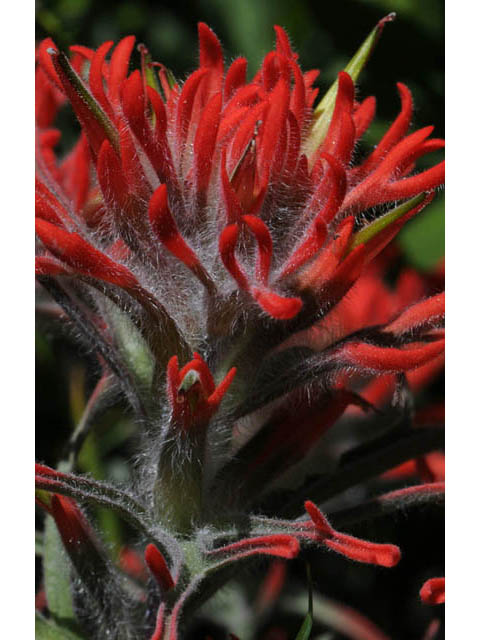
(192, 392)
(433, 591)
(280, 545)
(157, 565)
(247, 140)
(385, 555)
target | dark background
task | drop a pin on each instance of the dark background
(325, 34)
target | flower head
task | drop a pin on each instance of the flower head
(204, 236)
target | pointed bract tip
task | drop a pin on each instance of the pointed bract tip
(388, 18)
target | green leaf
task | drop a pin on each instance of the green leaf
(374, 228)
(84, 94)
(39, 542)
(56, 571)
(150, 75)
(172, 81)
(47, 630)
(305, 629)
(324, 110)
(133, 346)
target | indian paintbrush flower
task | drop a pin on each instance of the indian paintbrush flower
(206, 238)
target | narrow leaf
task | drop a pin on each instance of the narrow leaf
(62, 65)
(57, 573)
(374, 228)
(47, 630)
(305, 629)
(57, 570)
(39, 542)
(150, 76)
(324, 110)
(135, 350)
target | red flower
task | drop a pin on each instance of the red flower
(385, 555)
(192, 392)
(227, 218)
(234, 182)
(248, 140)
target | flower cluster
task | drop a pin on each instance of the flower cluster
(214, 243)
